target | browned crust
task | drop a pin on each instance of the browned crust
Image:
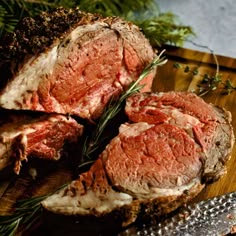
(158, 206)
(34, 35)
(145, 208)
(113, 222)
(212, 173)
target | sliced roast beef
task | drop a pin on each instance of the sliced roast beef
(132, 172)
(42, 136)
(71, 62)
(207, 124)
(157, 162)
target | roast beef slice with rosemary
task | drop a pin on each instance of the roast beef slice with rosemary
(160, 160)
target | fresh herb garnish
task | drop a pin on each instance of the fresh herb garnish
(186, 68)
(28, 211)
(162, 29)
(159, 27)
(208, 82)
(228, 86)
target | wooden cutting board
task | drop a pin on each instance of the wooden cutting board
(168, 78)
(171, 78)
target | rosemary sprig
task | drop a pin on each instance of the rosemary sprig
(28, 211)
(113, 108)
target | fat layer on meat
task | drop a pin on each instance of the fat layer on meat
(78, 70)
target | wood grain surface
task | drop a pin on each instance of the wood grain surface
(168, 78)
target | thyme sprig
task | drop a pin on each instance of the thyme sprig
(208, 82)
(28, 211)
(112, 109)
(229, 86)
(212, 82)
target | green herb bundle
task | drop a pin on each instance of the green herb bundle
(159, 27)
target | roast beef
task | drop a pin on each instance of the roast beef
(159, 160)
(207, 124)
(71, 62)
(32, 135)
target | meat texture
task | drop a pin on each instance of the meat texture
(207, 124)
(33, 135)
(71, 62)
(159, 160)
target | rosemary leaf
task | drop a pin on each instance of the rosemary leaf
(10, 228)
(25, 214)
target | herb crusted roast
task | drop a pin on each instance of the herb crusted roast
(71, 62)
(160, 159)
(67, 62)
